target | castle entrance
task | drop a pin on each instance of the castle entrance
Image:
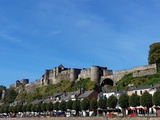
(106, 83)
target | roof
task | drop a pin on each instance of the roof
(140, 87)
(116, 91)
(86, 94)
(49, 99)
(58, 94)
(37, 101)
(69, 94)
(156, 86)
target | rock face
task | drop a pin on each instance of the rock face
(99, 74)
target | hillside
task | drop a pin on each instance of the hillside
(129, 80)
(64, 85)
(51, 89)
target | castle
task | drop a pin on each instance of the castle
(101, 75)
(73, 74)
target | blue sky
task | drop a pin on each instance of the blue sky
(40, 34)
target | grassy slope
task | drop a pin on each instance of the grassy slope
(50, 90)
(128, 79)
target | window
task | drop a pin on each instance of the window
(141, 92)
(135, 92)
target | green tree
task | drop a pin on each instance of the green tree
(146, 99)
(134, 100)
(84, 104)
(10, 95)
(43, 107)
(93, 105)
(19, 108)
(102, 103)
(6, 108)
(55, 106)
(2, 108)
(62, 105)
(112, 101)
(14, 109)
(49, 106)
(154, 53)
(29, 106)
(123, 102)
(69, 104)
(33, 108)
(76, 106)
(156, 98)
(24, 108)
(38, 107)
(10, 108)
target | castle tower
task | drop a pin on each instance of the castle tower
(72, 74)
(95, 74)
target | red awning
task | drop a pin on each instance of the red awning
(144, 108)
(133, 108)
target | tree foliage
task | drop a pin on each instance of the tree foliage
(156, 98)
(123, 100)
(69, 104)
(24, 108)
(134, 100)
(62, 105)
(84, 83)
(10, 96)
(84, 104)
(112, 101)
(102, 103)
(33, 108)
(29, 106)
(49, 106)
(154, 53)
(19, 108)
(93, 104)
(55, 106)
(146, 99)
(76, 106)
(44, 107)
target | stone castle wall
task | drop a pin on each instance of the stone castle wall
(73, 74)
(96, 73)
(32, 86)
(137, 71)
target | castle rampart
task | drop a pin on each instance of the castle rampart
(136, 71)
(95, 73)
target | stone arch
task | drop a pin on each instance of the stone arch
(107, 81)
